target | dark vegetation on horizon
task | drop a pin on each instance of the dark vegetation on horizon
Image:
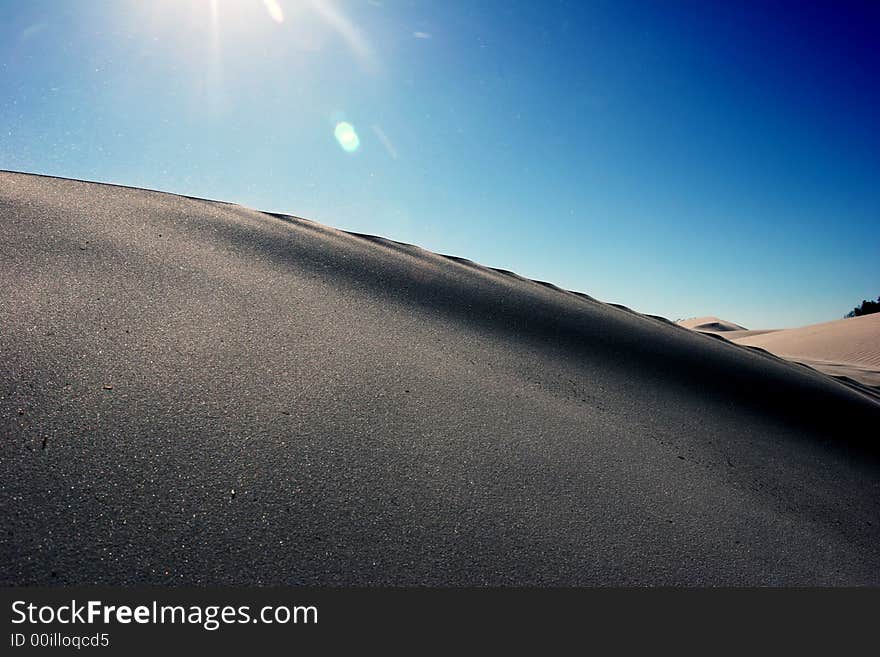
(867, 308)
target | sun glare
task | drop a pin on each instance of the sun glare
(275, 11)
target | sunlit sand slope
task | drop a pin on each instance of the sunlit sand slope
(195, 392)
(848, 347)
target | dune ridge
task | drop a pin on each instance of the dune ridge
(200, 393)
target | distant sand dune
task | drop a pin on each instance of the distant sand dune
(736, 335)
(710, 324)
(848, 350)
(844, 347)
(853, 340)
(194, 392)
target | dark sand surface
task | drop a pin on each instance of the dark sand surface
(196, 392)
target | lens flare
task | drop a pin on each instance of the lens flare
(274, 10)
(347, 137)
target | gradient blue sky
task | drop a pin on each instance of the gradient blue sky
(682, 158)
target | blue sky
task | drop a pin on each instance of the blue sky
(682, 158)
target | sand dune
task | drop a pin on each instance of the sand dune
(852, 340)
(736, 335)
(722, 327)
(844, 347)
(848, 350)
(710, 324)
(198, 393)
